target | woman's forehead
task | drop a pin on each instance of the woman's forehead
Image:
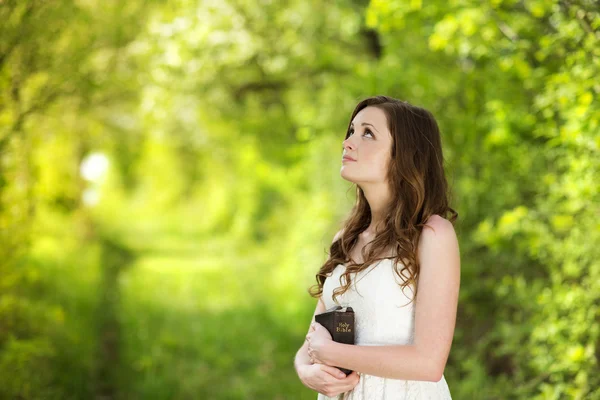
(370, 114)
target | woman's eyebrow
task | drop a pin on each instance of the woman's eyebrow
(365, 123)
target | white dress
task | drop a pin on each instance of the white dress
(375, 297)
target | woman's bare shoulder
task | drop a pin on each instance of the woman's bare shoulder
(338, 235)
(438, 225)
(440, 229)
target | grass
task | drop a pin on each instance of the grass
(200, 323)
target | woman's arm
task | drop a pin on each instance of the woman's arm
(435, 317)
(302, 358)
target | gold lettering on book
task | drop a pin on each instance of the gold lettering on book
(343, 327)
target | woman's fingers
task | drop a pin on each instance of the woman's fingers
(312, 360)
(333, 371)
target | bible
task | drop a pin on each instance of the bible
(339, 321)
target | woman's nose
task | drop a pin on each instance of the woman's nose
(347, 145)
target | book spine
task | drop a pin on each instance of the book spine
(340, 325)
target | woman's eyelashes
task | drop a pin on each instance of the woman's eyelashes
(366, 131)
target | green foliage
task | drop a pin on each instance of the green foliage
(182, 271)
(534, 223)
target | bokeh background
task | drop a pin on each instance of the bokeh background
(169, 187)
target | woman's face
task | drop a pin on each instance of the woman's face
(369, 143)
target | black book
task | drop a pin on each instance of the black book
(339, 321)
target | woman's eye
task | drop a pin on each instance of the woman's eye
(366, 131)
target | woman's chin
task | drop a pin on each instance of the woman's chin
(347, 177)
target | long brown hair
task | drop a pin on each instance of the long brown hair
(419, 190)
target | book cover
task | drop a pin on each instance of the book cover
(339, 322)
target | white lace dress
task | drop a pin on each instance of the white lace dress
(376, 297)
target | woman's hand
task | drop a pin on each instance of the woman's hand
(326, 379)
(319, 376)
(318, 339)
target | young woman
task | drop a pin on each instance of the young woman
(395, 261)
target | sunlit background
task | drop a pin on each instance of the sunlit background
(169, 187)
